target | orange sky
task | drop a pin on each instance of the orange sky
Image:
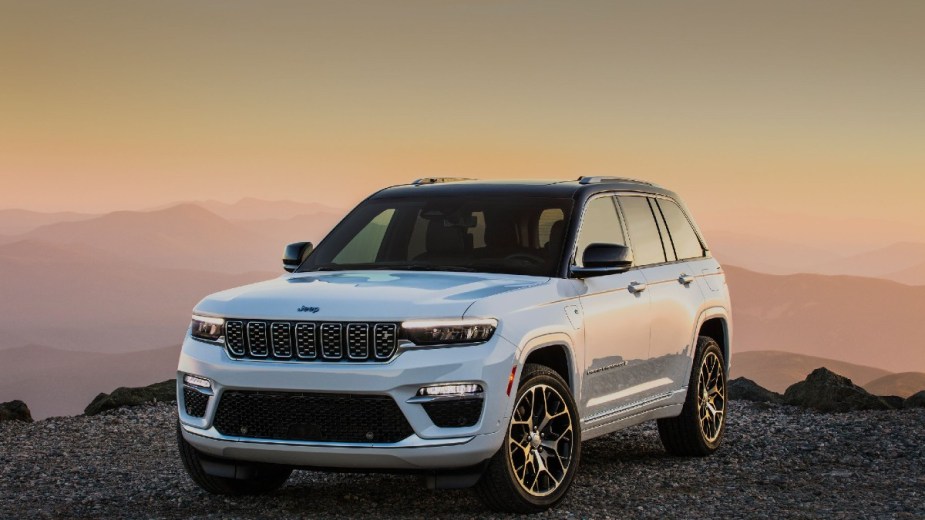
(811, 107)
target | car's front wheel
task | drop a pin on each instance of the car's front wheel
(699, 429)
(537, 462)
(262, 478)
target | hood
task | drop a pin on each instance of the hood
(362, 295)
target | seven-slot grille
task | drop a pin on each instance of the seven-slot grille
(311, 341)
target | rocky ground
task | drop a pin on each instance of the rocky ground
(778, 462)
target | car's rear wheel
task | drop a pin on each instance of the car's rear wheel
(699, 430)
(537, 462)
(262, 478)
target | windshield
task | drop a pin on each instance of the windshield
(484, 234)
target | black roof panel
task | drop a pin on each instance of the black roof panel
(518, 188)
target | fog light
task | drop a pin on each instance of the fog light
(450, 390)
(197, 381)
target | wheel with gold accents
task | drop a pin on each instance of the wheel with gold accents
(699, 429)
(534, 468)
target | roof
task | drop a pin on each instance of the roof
(577, 189)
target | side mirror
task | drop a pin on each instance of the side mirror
(601, 259)
(295, 254)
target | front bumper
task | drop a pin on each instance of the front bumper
(430, 447)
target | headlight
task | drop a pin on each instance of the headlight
(445, 332)
(208, 328)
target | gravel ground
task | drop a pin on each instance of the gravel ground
(777, 462)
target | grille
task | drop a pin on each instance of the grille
(311, 417)
(311, 341)
(454, 413)
(195, 402)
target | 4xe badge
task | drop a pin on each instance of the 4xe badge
(312, 310)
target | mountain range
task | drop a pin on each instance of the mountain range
(126, 282)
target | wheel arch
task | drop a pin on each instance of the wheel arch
(714, 323)
(553, 351)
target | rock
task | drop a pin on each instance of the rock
(827, 391)
(158, 392)
(894, 401)
(743, 389)
(15, 411)
(915, 400)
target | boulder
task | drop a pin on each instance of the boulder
(15, 411)
(915, 400)
(158, 392)
(743, 389)
(827, 391)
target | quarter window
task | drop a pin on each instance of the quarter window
(686, 243)
(643, 230)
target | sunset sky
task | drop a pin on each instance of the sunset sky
(809, 107)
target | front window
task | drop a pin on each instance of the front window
(484, 234)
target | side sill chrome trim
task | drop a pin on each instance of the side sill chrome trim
(638, 404)
(411, 442)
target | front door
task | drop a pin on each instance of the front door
(616, 320)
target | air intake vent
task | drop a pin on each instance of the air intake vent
(311, 417)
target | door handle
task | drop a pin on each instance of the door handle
(685, 279)
(637, 287)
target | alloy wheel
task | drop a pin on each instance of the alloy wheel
(711, 397)
(540, 440)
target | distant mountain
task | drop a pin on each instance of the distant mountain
(840, 235)
(300, 228)
(914, 275)
(776, 370)
(766, 255)
(18, 221)
(184, 236)
(188, 236)
(885, 262)
(81, 298)
(61, 382)
(865, 321)
(903, 384)
(258, 209)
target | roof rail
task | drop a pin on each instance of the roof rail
(597, 179)
(439, 180)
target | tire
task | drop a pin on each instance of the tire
(548, 466)
(267, 477)
(699, 430)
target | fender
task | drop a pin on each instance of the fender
(708, 314)
(572, 357)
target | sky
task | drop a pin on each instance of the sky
(787, 106)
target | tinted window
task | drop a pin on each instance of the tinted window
(683, 236)
(550, 227)
(662, 231)
(644, 237)
(485, 234)
(600, 225)
(364, 246)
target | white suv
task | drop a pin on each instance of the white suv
(473, 332)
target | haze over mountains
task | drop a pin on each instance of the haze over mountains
(125, 282)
